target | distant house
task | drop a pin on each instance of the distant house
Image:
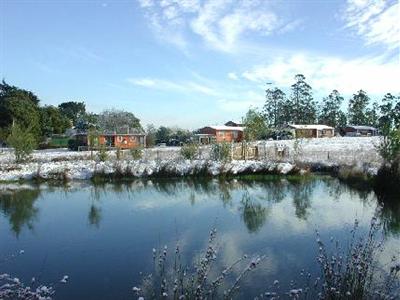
(353, 130)
(234, 124)
(311, 131)
(112, 140)
(223, 133)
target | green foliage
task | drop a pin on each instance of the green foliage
(389, 114)
(274, 107)
(52, 121)
(19, 106)
(357, 111)
(221, 151)
(150, 135)
(163, 134)
(389, 148)
(102, 154)
(118, 153)
(330, 112)
(190, 151)
(302, 107)
(255, 126)
(136, 153)
(73, 110)
(22, 141)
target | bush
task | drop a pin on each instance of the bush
(389, 148)
(118, 153)
(190, 151)
(221, 151)
(102, 154)
(136, 153)
(22, 141)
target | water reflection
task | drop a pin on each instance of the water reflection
(253, 198)
(19, 207)
(253, 213)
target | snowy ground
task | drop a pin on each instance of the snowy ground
(274, 157)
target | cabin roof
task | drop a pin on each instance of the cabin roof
(362, 127)
(310, 126)
(224, 127)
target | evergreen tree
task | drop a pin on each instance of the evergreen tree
(372, 115)
(274, 107)
(255, 126)
(388, 113)
(303, 104)
(330, 112)
(357, 112)
(18, 106)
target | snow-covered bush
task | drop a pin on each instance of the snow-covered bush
(22, 141)
(221, 151)
(190, 151)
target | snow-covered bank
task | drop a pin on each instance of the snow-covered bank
(297, 157)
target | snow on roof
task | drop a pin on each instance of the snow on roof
(362, 127)
(224, 127)
(311, 126)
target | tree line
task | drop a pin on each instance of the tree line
(300, 107)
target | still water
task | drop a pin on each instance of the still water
(102, 236)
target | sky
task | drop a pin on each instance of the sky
(191, 63)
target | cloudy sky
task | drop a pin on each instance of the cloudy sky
(196, 62)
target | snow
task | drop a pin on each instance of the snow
(69, 165)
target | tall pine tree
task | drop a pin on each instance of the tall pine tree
(387, 111)
(303, 104)
(357, 111)
(330, 111)
(274, 106)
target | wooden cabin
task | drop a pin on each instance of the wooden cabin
(311, 131)
(353, 130)
(223, 133)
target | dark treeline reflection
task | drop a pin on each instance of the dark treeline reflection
(253, 197)
(19, 207)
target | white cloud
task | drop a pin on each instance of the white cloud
(222, 24)
(375, 75)
(376, 21)
(233, 76)
(175, 86)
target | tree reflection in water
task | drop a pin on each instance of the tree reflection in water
(253, 213)
(94, 215)
(19, 207)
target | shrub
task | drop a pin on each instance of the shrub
(22, 141)
(102, 154)
(190, 151)
(136, 153)
(389, 148)
(118, 153)
(221, 151)
(173, 280)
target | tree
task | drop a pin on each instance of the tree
(118, 120)
(52, 121)
(150, 135)
(274, 107)
(73, 110)
(23, 142)
(302, 102)
(372, 115)
(387, 110)
(19, 106)
(330, 113)
(255, 126)
(163, 134)
(357, 111)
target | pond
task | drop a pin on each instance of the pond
(102, 235)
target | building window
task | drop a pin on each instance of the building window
(119, 138)
(235, 135)
(221, 133)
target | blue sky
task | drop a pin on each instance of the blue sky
(189, 62)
